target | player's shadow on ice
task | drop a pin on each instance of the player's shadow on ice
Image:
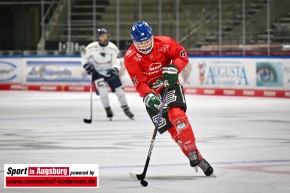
(168, 178)
(114, 120)
(164, 178)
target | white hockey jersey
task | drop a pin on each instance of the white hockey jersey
(102, 58)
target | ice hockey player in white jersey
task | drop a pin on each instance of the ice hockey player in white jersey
(101, 60)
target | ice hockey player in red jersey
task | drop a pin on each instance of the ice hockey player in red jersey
(155, 61)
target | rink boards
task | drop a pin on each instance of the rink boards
(232, 76)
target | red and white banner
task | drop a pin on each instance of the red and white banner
(51, 176)
(187, 90)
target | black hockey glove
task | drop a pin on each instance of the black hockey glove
(89, 68)
(112, 73)
(170, 75)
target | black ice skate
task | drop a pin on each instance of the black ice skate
(193, 158)
(128, 112)
(109, 113)
(206, 168)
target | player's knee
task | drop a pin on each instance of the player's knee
(102, 88)
(176, 112)
(119, 92)
(178, 118)
(103, 92)
(181, 124)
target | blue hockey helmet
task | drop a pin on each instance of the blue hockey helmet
(142, 37)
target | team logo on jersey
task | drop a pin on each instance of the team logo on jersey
(182, 53)
(134, 81)
(162, 121)
(103, 54)
(171, 97)
(163, 48)
(155, 66)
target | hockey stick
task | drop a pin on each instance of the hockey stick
(91, 104)
(142, 176)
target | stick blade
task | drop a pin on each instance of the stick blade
(88, 120)
(137, 176)
(133, 176)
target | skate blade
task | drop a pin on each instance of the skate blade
(196, 168)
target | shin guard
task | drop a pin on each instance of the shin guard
(174, 136)
(184, 131)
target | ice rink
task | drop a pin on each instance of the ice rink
(246, 140)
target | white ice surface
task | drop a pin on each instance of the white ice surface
(246, 140)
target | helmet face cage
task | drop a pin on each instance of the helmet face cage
(100, 32)
(142, 37)
(144, 47)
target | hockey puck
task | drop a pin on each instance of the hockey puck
(144, 183)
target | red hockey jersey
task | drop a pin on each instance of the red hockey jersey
(145, 70)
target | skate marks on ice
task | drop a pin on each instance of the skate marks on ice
(64, 139)
(246, 140)
(282, 169)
